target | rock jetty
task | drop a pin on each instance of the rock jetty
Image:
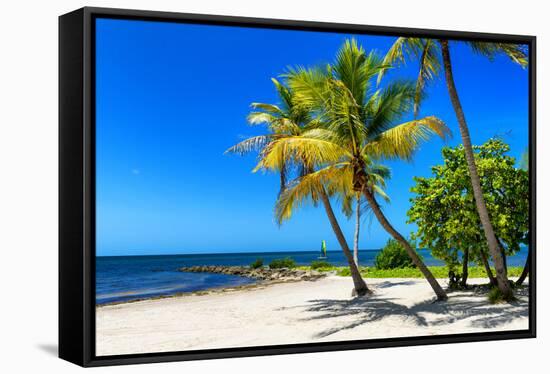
(264, 273)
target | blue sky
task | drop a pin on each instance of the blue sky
(171, 98)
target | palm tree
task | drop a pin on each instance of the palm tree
(355, 122)
(431, 54)
(284, 122)
(322, 185)
(384, 173)
(335, 184)
(357, 228)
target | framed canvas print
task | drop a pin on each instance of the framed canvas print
(238, 186)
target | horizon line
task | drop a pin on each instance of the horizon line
(228, 253)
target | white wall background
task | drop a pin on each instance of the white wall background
(28, 182)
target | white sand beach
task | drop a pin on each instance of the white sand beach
(301, 312)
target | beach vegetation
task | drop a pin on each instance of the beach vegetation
(258, 263)
(440, 272)
(394, 256)
(443, 208)
(434, 56)
(321, 265)
(496, 296)
(280, 263)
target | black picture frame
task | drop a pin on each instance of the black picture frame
(77, 186)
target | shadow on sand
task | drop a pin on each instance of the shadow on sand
(373, 308)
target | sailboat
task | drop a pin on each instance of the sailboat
(323, 255)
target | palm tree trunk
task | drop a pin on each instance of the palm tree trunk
(488, 268)
(501, 274)
(503, 254)
(282, 178)
(357, 227)
(525, 271)
(465, 260)
(441, 295)
(360, 287)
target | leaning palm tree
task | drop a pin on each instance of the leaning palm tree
(338, 184)
(284, 121)
(384, 173)
(355, 121)
(431, 54)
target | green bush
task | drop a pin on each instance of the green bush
(282, 263)
(393, 256)
(495, 296)
(343, 272)
(257, 264)
(320, 265)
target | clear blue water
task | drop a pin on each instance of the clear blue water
(125, 278)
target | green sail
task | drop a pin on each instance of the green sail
(323, 249)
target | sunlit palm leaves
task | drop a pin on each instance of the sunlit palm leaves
(310, 148)
(355, 123)
(516, 52)
(255, 143)
(428, 54)
(282, 121)
(336, 180)
(424, 50)
(400, 142)
(344, 122)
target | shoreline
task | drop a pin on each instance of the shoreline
(266, 277)
(300, 312)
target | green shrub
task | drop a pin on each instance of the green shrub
(257, 264)
(282, 263)
(495, 296)
(393, 256)
(320, 265)
(343, 272)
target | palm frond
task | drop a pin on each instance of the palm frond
(516, 52)
(347, 205)
(258, 118)
(335, 178)
(354, 68)
(309, 86)
(311, 151)
(429, 69)
(380, 192)
(403, 140)
(283, 177)
(255, 143)
(389, 105)
(268, 108)
(398, 53)
(382, 171)
(285, 126)
(284, 94)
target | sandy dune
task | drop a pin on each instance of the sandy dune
(301, 312)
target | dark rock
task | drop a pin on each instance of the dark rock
(267, 274)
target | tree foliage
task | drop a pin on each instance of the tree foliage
(393, 256)
(444, 209)
(354, 124)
